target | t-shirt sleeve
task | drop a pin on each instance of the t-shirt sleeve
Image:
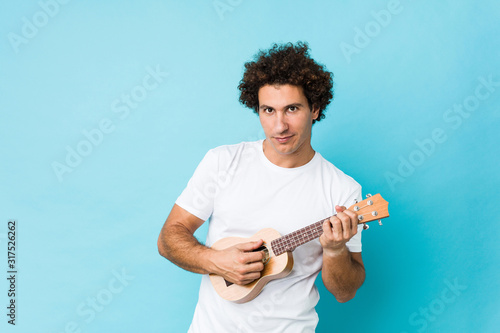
(198, 196)
(354, 244)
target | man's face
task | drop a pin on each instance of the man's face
(286, 119)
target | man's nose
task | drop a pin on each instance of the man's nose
(281, 124)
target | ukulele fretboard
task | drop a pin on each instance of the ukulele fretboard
(290, 241)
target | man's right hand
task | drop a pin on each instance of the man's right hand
(239, 264)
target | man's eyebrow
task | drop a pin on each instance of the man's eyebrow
(264, 106)
(294, 104)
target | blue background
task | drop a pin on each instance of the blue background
(395, 86)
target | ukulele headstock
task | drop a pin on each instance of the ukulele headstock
(372, 208)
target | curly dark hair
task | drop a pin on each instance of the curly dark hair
(287, 64)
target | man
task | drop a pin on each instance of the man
(281, 183)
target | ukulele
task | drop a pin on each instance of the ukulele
(278, 259)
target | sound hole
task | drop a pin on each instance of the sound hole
(264, 249)
(265, 259)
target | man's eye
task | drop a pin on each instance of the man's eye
(268, 110)
(292, 108)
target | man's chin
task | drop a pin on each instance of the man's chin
(283, 149)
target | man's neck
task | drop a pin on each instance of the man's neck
(293, 160)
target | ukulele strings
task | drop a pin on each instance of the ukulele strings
(361, 208)
(312, 231)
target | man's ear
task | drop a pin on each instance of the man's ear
(315, 112)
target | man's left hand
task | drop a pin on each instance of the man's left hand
(338, 230)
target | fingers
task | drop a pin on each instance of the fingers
(250, 246)
(249, 261)
(247, 269)
(248, 278)
(256, 267)
(333, 228)
(240, 263)
(246, 258)
(248, 253)
(248, 264)
(352, 224)
(343, 226)
(339, 208)
(248, 273)
(351, 219)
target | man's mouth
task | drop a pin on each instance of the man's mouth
(283, 139)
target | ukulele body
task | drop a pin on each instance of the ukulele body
(275, 267)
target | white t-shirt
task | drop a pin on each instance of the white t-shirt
(242, 192)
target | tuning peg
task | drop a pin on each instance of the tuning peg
(379, 222)
(368, 195)
(355, 200)
(365, 226)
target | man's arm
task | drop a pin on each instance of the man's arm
(237, 264)
(343, 272)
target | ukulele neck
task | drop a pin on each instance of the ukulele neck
(294, 239)
(370, 209)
